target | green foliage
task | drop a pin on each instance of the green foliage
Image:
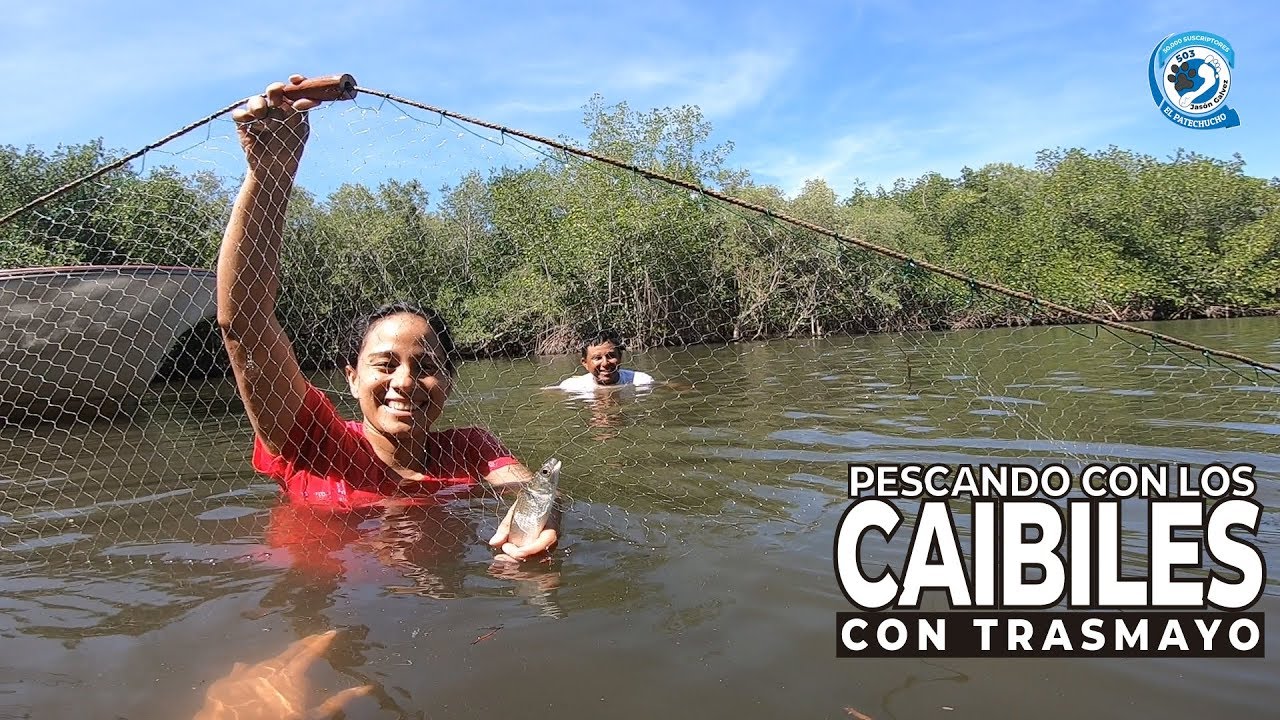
(122, 217)
(531, 259)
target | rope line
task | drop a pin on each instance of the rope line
(708, 192)
(118, 163)
(812, 227)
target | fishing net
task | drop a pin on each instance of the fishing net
(781, 350)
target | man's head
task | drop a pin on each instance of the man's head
(602, 357)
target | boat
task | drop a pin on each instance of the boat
(88, 340)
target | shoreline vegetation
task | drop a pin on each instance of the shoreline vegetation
(529, 260)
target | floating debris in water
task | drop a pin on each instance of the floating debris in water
(492, 631)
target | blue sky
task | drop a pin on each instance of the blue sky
(837, 90)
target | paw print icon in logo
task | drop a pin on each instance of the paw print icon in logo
(1182, 76)
(1196, 82)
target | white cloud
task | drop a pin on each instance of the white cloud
(866, 91)
(838, 161)
(994, 126)
(719, 84)
(96, 69)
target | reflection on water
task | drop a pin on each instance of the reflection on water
(141, 560)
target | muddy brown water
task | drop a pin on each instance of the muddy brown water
(142, 558)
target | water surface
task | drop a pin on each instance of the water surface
(142, 558)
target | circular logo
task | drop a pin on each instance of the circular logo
(1190, 80)
(1197, 80)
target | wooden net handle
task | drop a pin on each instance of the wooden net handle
(323, 89)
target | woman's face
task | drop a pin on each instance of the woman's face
(400, 377)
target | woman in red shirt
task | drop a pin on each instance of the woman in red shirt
(400, 367)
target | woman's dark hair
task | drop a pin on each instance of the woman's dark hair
(361, 325)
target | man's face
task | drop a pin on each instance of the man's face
(603, 361)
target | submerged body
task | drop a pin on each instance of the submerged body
(534, 503)
(602, 359)
(399, 361)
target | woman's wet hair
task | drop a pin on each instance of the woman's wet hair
(361, 325)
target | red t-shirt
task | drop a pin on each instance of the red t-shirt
(328, 461)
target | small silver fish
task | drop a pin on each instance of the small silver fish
(534, 502)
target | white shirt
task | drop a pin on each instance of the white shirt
(587, 383)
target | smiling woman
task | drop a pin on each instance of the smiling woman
(399, 366)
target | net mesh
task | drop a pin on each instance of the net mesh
(124, 439)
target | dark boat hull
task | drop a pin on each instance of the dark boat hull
(85, 341)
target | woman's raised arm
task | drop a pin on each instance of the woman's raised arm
(273, 132)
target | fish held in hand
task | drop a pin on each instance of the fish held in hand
(534, 503)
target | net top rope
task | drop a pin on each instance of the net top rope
(343, 87)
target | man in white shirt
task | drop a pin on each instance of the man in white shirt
(602, 358)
